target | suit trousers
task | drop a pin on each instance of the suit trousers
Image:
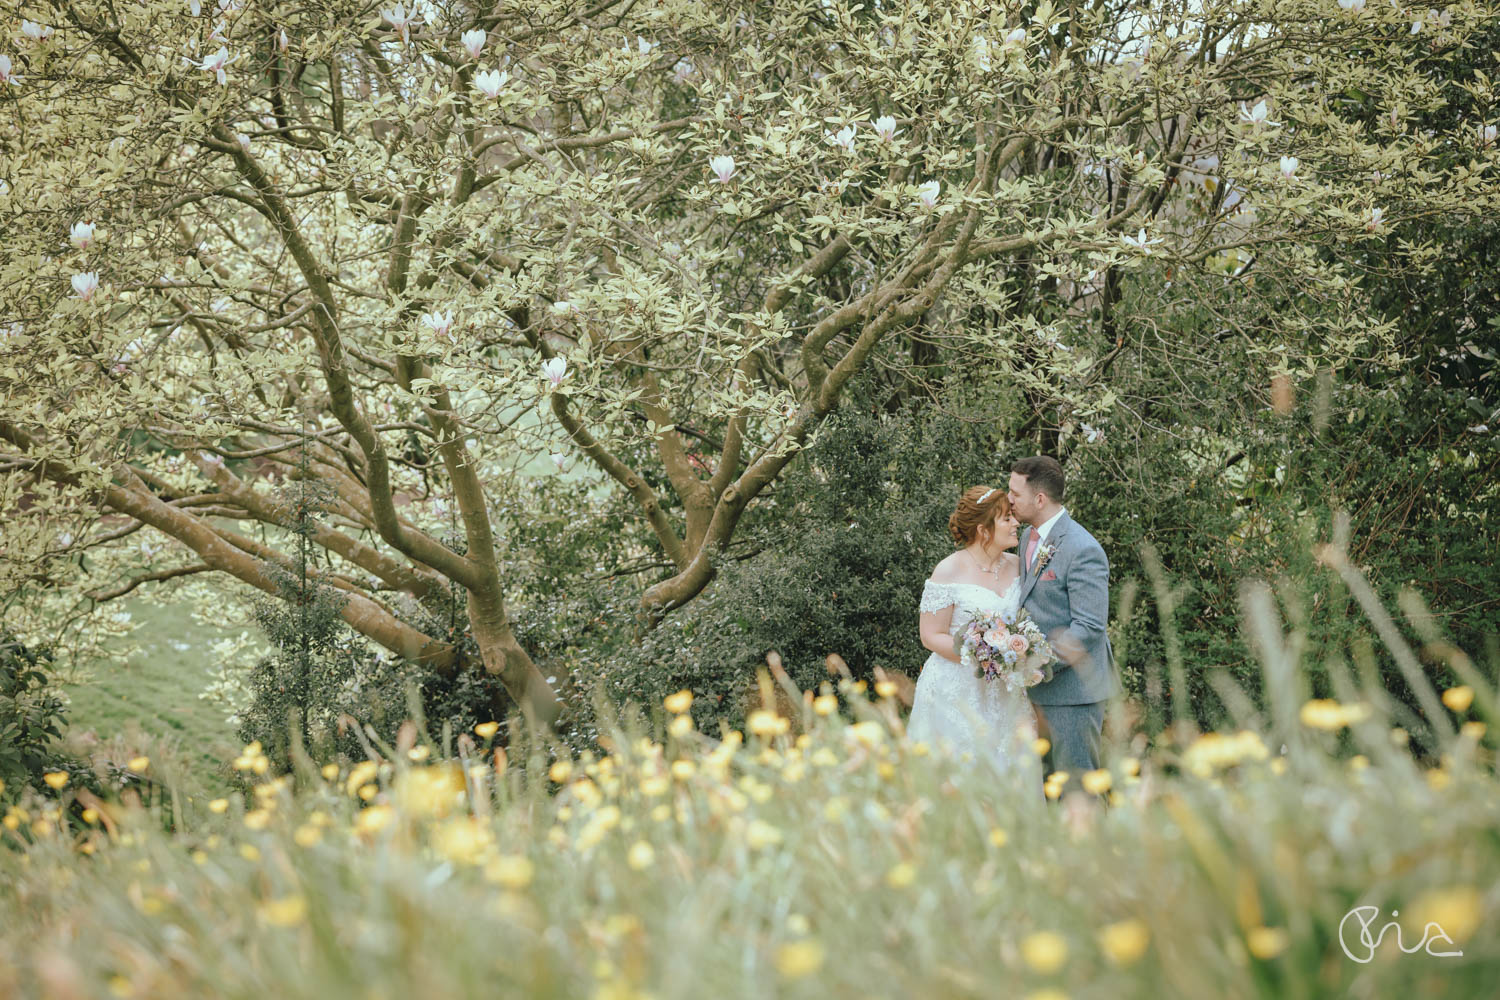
(1077, 732)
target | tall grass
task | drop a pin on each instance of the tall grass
(819, 854)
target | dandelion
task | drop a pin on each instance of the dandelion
(1044, 951)
(1459, 698)
(843, 138)
(438, 322)
(489, 82)
(473, 42)
(885, 128)
(86, 284)
(215, 64)
(289, 911)
(1288, 166)
(1125, 942)
(797, 959)
(723, 168)
(555, 370)
(1266, 943)
(927, 193)
(401, 19)
(81, 235)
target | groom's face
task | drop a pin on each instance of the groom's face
(1025, 502)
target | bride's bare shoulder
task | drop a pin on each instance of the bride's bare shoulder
(950, 570)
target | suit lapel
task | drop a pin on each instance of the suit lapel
(1029, 578)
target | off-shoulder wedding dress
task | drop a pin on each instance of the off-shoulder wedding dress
(955, 711)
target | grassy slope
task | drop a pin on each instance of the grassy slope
(156, 695)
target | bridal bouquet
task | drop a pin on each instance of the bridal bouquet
(1013, 651)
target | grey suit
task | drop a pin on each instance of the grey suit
(1069, 595)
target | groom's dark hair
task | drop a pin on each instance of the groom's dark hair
(1042, 474)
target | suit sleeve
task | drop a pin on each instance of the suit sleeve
(1088, 596)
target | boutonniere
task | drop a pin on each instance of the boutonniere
(1045, 552)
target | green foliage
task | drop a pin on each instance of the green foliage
(859, 524)
(32, 717)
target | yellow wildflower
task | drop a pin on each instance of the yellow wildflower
(1267, 942)
(510, 871)
(799, 958)
(374, 819)
(1131, 766)
(360, 775)
(91, 816)
(1049, 993)
(1040, 746)
(998, 837)
(430, 791)
(250, 852)
(1459, 698)
(560, 771)
(1096, 782)
(641, 856)
(1327, 714)
(1044, 951)
(289, 911)
(901, 875)
(826, 704)
(307, 835)
(682, 770)
(761, 834)
(463, 840)
(867, 733)
(258, 819)
(681, 726)
(1458, 910)
(1124, 942)
(56, 780)
(764, 723)
(330, 771)
(885, 689)
(420, 753)
(680, 702)
(487, 730)
(139, 764)
(1472, 730)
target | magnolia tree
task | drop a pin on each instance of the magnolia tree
(412, 248)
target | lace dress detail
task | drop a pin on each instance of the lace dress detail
(959, 713)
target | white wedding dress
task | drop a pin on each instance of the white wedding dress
(965, 715)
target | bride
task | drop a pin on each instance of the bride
(954, 710)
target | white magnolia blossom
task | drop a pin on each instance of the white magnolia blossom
(1486, 135)
(438, 322)
(1140, 241)
(211, 459)
(555, 370)
(283, 42)
(1376, 219)
(243, 140)
(1014, 39)
(195, 8)
(1289, 166)
(682, 72)
(1090, 434)
(562, 307)
(1352, 6)
(885, 127)
(1416, 27)
(642, 46)
(560, 460)
(402, 19)
(843, 138)
(35, 32)
(1258, 115)
(215, 64)
(473, 42)
(1479, 428)
(981, 46)
(81, 235)
(490, 81)
(723, 168)
(6, 75)
(927, 193)
(86, 284)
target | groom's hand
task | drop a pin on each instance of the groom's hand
(1068, 648)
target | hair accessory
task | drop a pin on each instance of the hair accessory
(986, 494)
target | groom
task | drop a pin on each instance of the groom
(1065, 589)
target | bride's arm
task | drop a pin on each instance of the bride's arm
(934, 626)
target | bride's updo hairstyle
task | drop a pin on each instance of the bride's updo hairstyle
(978, 507)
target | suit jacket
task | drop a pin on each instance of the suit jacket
(1069, 594)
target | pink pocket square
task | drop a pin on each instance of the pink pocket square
(1049, 575)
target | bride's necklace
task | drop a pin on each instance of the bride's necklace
(993, 569)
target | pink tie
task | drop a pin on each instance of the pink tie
(1031, 546)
